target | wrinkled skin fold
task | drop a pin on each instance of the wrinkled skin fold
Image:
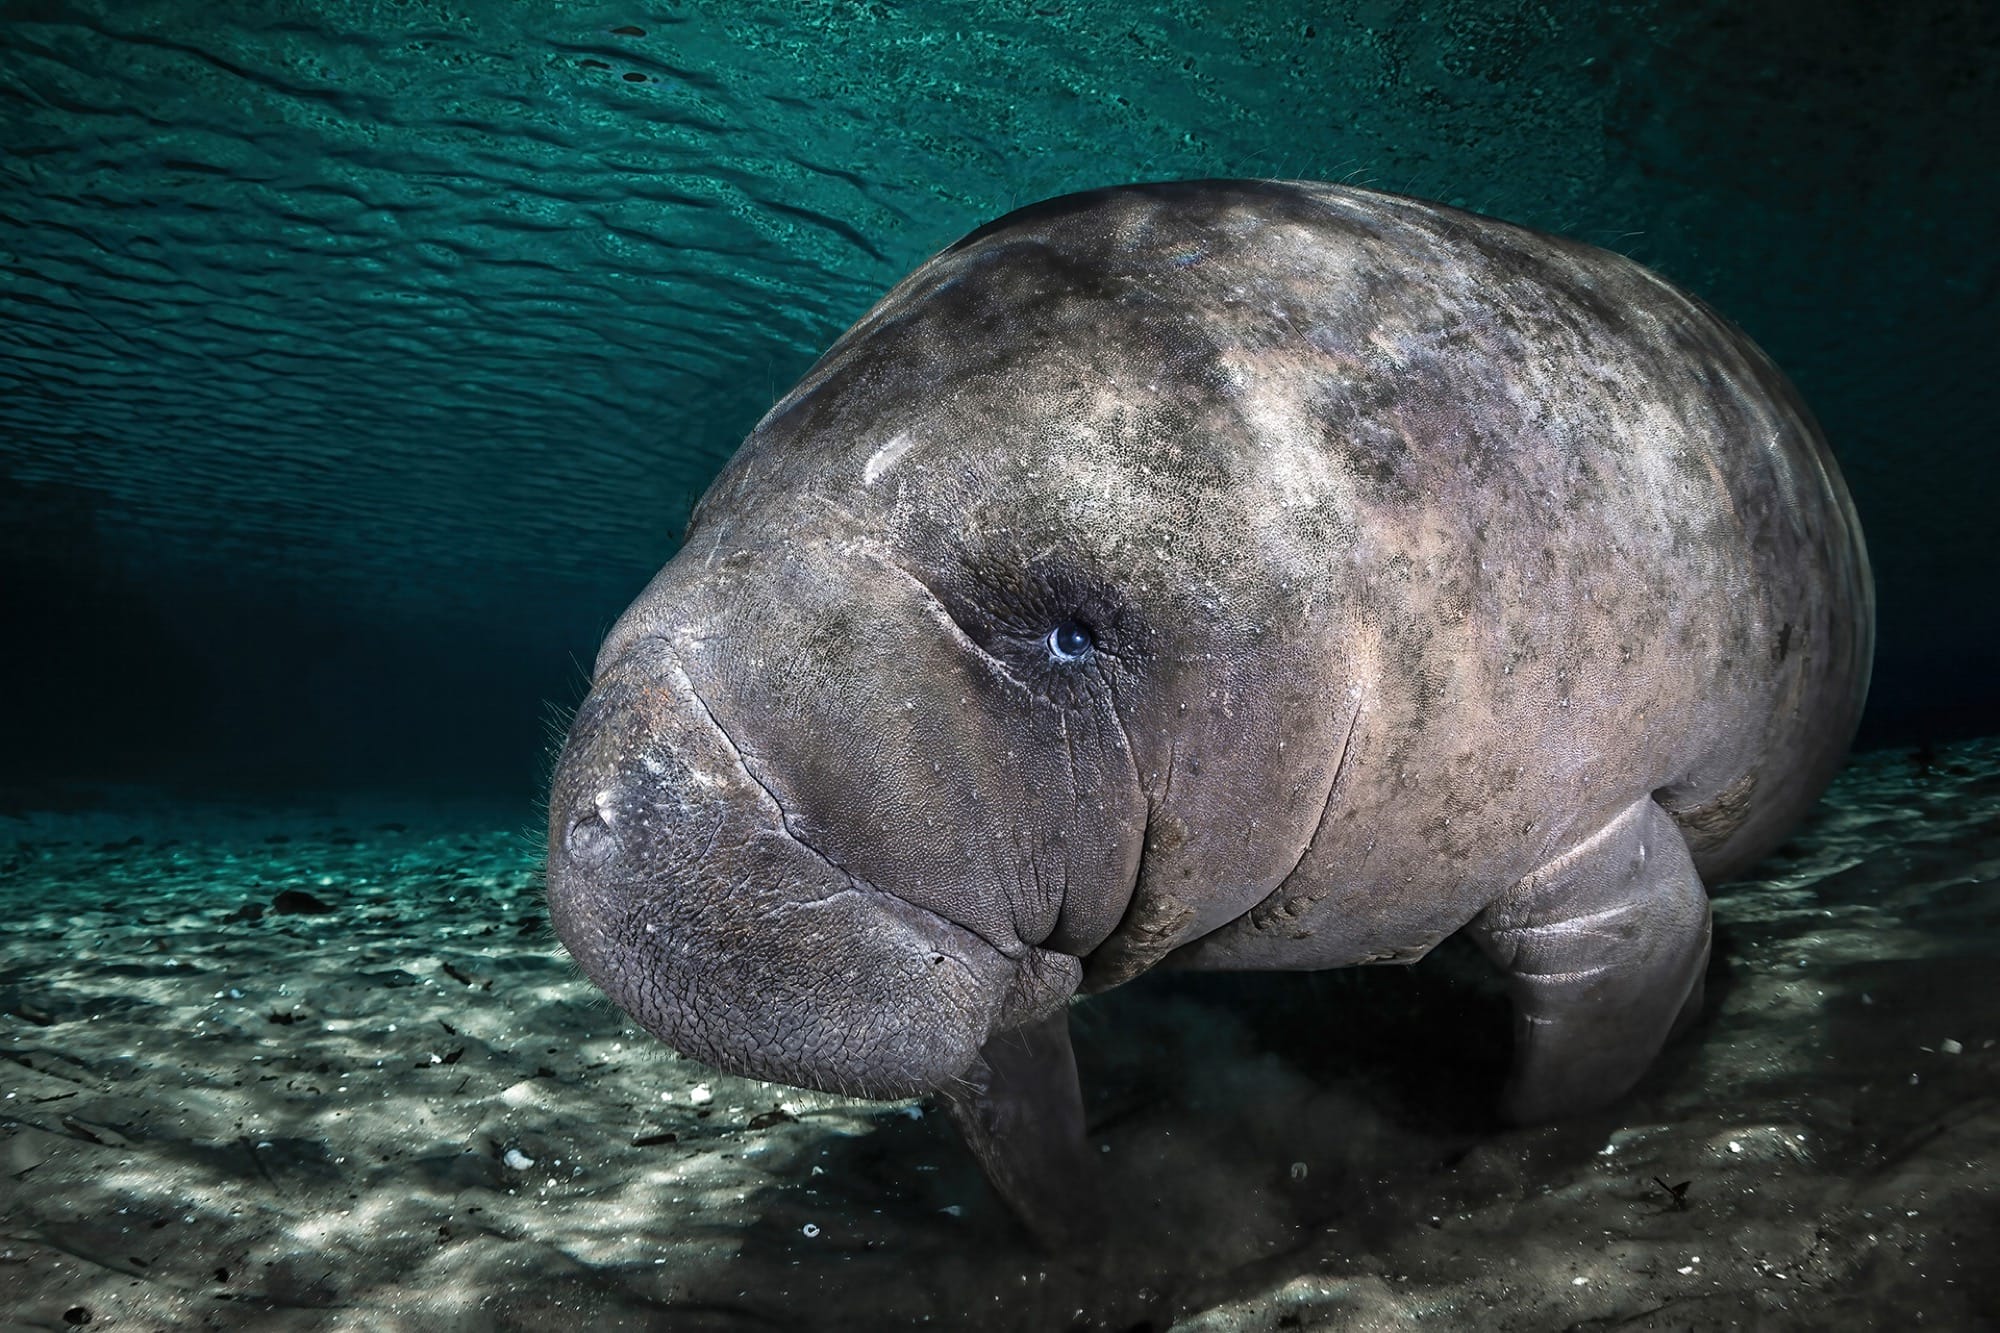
(1228, 574)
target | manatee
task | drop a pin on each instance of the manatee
(1219, 575)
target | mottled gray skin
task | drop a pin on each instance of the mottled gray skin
(1439, 575)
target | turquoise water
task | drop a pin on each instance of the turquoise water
(360, 361)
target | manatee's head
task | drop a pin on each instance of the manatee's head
(786, 836)
(982, 652)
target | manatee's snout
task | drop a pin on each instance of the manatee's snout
(676, 884)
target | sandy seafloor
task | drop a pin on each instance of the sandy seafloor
(410, 1112)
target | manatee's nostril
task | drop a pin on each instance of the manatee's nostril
(591, 838)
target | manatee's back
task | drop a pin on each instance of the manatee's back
(1654, 474)
(1572, 512)
(1818, 592)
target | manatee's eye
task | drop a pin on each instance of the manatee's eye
(1070, 640)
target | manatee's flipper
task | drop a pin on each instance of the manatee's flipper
(1604, 949)
(1020, 1110)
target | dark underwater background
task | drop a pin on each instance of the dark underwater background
(360, 361)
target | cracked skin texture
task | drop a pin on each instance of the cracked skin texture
(1415, 548)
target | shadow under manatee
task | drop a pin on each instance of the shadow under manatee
(1248, 1126)
(1239, 1118)
(1428, 1041)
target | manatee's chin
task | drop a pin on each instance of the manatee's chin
(799, 975)
(869, 997)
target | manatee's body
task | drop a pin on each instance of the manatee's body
(1226, 574)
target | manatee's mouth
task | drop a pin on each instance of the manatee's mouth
(679, 886)
(850, 991)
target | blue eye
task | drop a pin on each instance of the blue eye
(1069, 641)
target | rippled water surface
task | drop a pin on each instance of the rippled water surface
(444, 313)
